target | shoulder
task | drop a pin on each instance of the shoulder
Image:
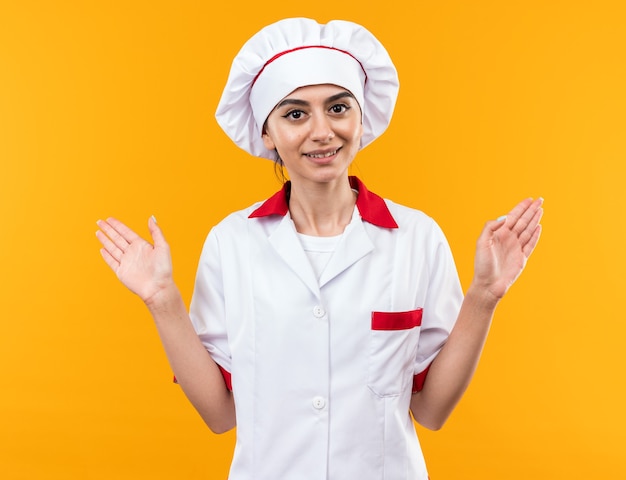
(416, 227)
(240, 216)
(231, 234)
(240, 222)
(409, 218)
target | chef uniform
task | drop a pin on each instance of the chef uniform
(322, 362)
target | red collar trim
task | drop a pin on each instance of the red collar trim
(372, 208)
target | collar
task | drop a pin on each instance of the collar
(372, 208)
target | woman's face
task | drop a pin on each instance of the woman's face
(317, 132)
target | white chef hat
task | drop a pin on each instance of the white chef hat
(296, 52)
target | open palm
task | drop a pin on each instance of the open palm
(504, 246)
(144, 268)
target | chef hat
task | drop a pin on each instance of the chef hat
(296, 52)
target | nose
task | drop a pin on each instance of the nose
(321, 128)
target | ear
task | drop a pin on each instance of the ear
(267, 140)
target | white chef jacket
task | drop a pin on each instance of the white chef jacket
(322, 371)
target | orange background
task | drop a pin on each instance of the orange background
(106, 108)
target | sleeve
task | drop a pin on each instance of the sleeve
(207, 309)
(441, 306)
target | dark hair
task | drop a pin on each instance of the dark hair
(279, 166)
(279, 169)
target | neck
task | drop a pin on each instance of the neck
(322, 209)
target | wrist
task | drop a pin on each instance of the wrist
(163, 298)
(481, 297)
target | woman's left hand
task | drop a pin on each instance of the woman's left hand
(504, 247)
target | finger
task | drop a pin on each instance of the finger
(532, 243)
(527, 234)
(530, 218)
(514, 215)
(111, 248)
(120, 231)
(109, 260)
(113, 235)
(523, 214)
(156, 233)
(494, 225)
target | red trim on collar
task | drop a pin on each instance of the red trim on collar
(372, 208)
(275, 205)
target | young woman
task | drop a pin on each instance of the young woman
(324, 316)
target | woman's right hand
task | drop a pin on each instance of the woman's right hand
(144, 268)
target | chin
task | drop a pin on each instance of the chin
(331, 175)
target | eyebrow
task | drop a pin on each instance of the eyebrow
(304, 103)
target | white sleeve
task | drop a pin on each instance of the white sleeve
(441, 306)
(207, 309)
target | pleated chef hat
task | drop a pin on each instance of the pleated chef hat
(296, 52)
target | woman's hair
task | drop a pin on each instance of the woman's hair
(279, 169)
(279, 166)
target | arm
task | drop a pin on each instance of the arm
(502, 251)
(146, 270)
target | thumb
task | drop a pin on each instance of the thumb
(156, 233)
(489, 230)
(494, 225)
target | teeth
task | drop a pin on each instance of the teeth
(322, 155)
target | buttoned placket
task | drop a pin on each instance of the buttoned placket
(354, 245)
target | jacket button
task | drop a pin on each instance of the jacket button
(319, 403)
(318, 312)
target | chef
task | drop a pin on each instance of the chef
(324, 319)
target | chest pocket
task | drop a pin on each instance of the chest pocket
(393, 347)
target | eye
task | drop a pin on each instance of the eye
(294, 115)
(339, 108)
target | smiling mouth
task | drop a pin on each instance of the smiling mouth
(321, 155)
